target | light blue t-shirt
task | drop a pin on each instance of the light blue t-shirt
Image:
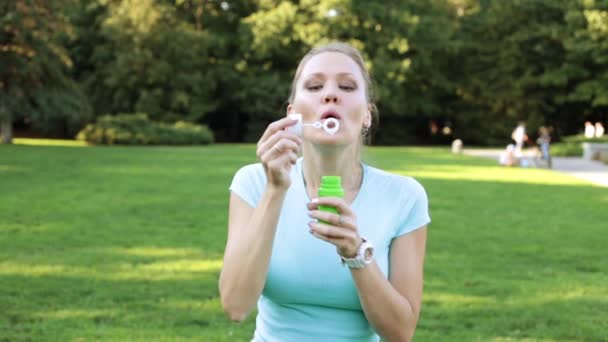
(308, 294)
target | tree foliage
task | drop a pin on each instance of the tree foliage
(476, 66)
(35, 82)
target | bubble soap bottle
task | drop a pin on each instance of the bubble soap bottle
(331, 186)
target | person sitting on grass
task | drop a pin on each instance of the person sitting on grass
(508, 157)
(355, 275)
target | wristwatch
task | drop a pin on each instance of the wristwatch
(365, 255)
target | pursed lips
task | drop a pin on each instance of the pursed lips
(330, 114)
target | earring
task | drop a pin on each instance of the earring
(364, 131)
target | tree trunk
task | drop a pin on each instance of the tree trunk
(6, 127)
(198, 16)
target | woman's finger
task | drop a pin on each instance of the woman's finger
(293, 158)
(337, 220)
(277, 126)
(334, 241)
(336, 202)
(283, 146)
(331, 232)
(276, 139)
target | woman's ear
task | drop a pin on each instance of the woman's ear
(367, 120)
(289, 109)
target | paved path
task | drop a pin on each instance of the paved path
(593, 171)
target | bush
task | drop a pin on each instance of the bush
(571, 146)
(138, 129)
(580, 138)
(565, 149)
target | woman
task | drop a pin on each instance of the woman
(281, 256)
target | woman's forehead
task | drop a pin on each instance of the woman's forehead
(331, 64)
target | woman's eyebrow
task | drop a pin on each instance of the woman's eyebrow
(322, 75)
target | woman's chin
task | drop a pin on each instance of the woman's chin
(328, 140)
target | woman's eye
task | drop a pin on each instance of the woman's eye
(313, 87)
(347, 87)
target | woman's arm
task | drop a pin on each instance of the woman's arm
(248, 249)
(251, 231)
(393, 306)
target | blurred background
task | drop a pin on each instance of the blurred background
(444, 69)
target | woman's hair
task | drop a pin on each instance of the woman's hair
(355, 55)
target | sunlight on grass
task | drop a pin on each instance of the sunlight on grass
(74, 313)
(209, 304)
(153, 170)
(172, 270)
(491, 174)
(522, 339)
(459, 300)
(179, 269)
(578, 292)
(184, 265)
(10, 168)
(49, 142)
(12, 268)
(156, 252)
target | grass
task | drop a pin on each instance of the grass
(125, 244)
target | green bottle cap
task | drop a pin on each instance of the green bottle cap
(331, 186)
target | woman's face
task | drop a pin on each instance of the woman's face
(331, 85)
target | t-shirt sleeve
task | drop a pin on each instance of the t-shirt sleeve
(416, 208)
(248, 183)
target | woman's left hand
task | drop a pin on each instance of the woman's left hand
(339, 229)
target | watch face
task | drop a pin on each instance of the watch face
(368, 253)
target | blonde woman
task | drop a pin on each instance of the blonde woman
(358, 277)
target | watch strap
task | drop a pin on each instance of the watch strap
(359, 261)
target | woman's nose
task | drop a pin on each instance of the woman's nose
(330, 98)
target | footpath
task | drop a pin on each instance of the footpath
(590, 170)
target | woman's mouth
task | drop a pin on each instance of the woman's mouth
(330, 114)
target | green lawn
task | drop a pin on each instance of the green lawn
(125, 244)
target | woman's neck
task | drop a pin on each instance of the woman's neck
(332, 162)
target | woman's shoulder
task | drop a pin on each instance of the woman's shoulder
(394, 181)
(250, 173)
(248, 183)
(251, 169)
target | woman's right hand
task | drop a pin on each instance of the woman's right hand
(278, 151)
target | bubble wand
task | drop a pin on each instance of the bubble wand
(329, 125)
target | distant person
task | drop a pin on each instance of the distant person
(433, 127)
(519, 136)
(457, 146)
(589, 130)
(507, 157)
(599, 130)
(544, 145)
(353, 275)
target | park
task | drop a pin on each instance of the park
(125, 122)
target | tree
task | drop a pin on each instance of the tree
(509, 46)
(34, 80)
(405, 43)
(583, 73)
(147, 56)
